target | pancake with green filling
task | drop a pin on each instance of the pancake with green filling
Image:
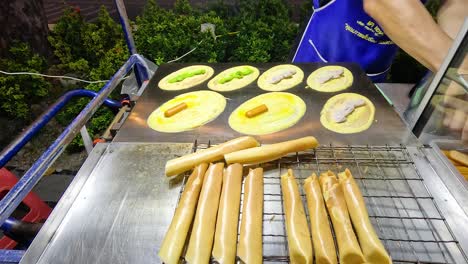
(233, 78)
(186, 78)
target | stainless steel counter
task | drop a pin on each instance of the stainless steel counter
(115, 211)
(120, 205)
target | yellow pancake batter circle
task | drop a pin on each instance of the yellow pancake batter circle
(265, 80)
(202, 107)
(234, 83)
(333, 85)
(357, 121)
(167, 83)
(284, 110)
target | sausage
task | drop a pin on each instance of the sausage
(374, 251)
(224, 249)
(256, 111)
(185, 163)
(322, 239)
(201, 239)
(250, 247)
(174, 110)
(348, 246)
(174, 241)
(299, 244)
(270, 152)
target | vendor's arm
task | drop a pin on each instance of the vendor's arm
(451, 16)
(412, 28)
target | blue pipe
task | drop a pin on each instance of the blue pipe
(140, 71)
(8, 224)
(11, 256)
(10, 151)
(25, 184)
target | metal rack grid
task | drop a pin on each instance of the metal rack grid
(402, 210)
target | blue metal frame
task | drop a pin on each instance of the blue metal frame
(14, 197)
(11, 256)
(18, 192)
(10, 151)
(9, 224)
(140, 72)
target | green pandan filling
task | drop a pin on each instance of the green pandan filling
(186, 75)
(236, 75)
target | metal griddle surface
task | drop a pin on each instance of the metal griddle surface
(388, 128)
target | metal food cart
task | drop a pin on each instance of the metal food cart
(120, 204)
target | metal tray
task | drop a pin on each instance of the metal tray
(401, 207)
(447, 144)
(388, 128)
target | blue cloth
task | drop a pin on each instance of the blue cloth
(341, 31)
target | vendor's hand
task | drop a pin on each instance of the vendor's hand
(455, 108)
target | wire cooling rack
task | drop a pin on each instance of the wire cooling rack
(401, 208)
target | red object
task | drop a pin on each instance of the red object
(98, 140)
(38, 209)
(126, 102)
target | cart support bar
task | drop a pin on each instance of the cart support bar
(14, 197)
(10, 151)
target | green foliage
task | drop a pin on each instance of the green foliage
(182, 7)
(163, 35)
(305, 13)
(254, 42)
(266, 32)
(96, 51)
(80, 45)
(260, 32)
(18, 92)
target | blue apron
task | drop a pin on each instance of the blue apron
(341, 31)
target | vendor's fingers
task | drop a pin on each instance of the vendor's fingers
(447, 120)
(455, 103)
(464, 136)
(454, 89)
(458, 120)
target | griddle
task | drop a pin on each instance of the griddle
(388, 127)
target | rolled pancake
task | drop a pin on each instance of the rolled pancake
(458, 157)
(372, 247)
(224, 249)
(334, 85)
(348, 246)
(299, 244)
(202, 107)
(359, 120)
(270, 152)
(235, 83)
(174, 241)
(201, 238)
(186, 162)
(322, 239)
(250, 246)
(264, 81)
(187, 82)
(284, 111)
